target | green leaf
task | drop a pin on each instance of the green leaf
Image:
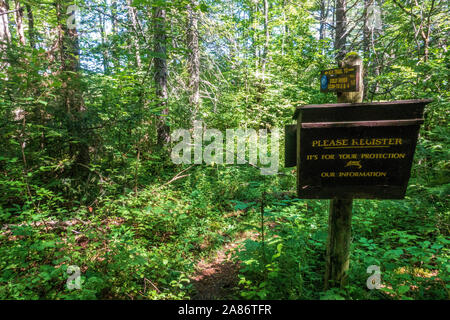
(403, 289)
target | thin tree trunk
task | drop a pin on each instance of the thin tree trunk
(341, 30)
(366, 43)
(426, 35)
(285, 31)
(114, 16)
(333, 22)
(371, 55)
(376, 60)
(134, 23)
(194, 57)
(255, 35)
(19, 23)
(113, 55)
(324, 9)
(266, 39)
(5, 35)
(160, 65)
(31, 31)
(104, 44)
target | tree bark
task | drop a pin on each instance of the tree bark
(369, 37)
(341, 30)
(104, 44)
(134, 22)
(266, 39)
(102, 38)
(160, 65)
(284, 27)
(255, 39)
(5, 34)
(194, 57)
(72, 99)
(113, 55)
(324, 9)
(31, 31)
(366, 43)
(114, 16)
(19, 23)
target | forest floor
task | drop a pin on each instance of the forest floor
(193, 241)
(217, 278)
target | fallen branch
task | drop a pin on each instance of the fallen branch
(152, 284)
(177, 176)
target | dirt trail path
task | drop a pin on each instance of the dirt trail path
(218, 279)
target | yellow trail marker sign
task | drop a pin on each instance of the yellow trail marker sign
(340, 80)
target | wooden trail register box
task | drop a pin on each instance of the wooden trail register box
(354, 150)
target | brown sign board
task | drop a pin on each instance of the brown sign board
(359, 150)
(340, 80)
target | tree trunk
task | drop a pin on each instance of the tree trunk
(19, 23)
(370, 35)
(31, 31)
(284, 27)
(255, 35)
(103, 36)
(426, 31)
(5, 35)
(266, 39)
(114, 16)
(341, 30)
(160, 64)
(113, 55)
(134, 23)
(72, 99)
(194, 57)
(324, 8)
(366, 44)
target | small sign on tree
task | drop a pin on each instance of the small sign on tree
(340, 79)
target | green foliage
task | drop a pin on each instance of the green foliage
(134, 227)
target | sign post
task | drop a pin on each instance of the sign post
(351, 150)
(340, 215)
